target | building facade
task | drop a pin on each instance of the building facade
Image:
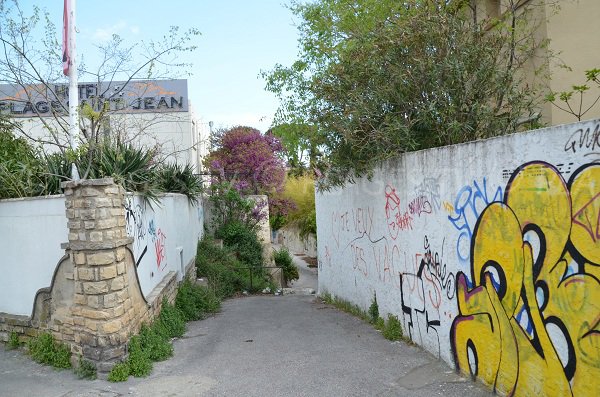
(149, 113)
(568, 28)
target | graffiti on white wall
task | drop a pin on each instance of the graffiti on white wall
(490, 262)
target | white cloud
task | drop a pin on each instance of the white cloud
(105, 34)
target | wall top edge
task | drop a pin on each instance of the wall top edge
(87, 182)
(19, 199)
(543, 130)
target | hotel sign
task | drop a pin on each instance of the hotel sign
(134, 97)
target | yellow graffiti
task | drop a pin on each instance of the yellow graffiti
(448, 207)
(528, 325)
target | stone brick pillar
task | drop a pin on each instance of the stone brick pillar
(102, 310)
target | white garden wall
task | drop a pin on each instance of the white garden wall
(31, 231)
(487, 252)
(165, 236)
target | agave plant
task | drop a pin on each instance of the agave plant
(132, 167)
(174, 178)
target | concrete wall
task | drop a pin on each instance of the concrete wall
(31, 232)
(488, 252)
(33, 229)
(165, 236)
(289, 237)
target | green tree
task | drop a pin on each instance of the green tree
(381, 77)
(302, 146)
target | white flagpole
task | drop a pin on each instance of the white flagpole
(73, 89)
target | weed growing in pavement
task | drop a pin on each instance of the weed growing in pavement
(172, 320)
(85, 370)
(13, 341)
(374, 310)
(155, 342)
(46, 350)
(393, 329)
(139, 361)
(119, 373)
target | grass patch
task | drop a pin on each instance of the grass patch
(390, 329)
(44, 349)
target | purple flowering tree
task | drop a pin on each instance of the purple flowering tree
(251, 161)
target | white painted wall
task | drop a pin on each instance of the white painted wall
(31, 232)
(33, 229)
(289, 237)
(165, 235)
(425, 205)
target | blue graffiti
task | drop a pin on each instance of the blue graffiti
(470, 202)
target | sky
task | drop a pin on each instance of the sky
(239, 38)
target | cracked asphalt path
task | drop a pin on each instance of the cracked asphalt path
(290, 345)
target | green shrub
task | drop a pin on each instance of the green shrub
(179, 179)
(225, 273)
(392, 329)
(196, 301)
(139, 361)
(243, 241)
(46, 350)
(13, 341)
(284, 259)
(172, 320)
(301, 191)
(155, 341)
(119, 373)
(85, 369)
(379, 324)
(374, 310)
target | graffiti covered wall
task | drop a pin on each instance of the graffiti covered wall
(165, 236)
(488, 252)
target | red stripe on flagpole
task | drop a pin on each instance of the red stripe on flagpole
(66, 60)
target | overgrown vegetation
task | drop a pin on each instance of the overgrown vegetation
(27, 172)
(390, 329)
(225, 272)
(379, 78)
(196, 302)
(374, 310)
(44, 349)
(284, 259)
(301, 191)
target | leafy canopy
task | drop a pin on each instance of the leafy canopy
(382, 77)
